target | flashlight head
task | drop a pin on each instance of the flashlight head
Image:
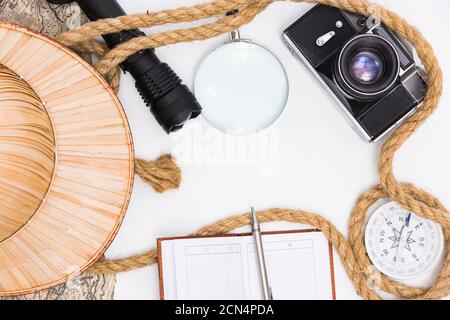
(170, 101)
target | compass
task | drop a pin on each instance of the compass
(401, 244)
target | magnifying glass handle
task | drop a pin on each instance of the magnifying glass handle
(235, 35)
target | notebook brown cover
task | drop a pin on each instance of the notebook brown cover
(160, 240)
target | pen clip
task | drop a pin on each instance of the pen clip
(256, 230)
(254, 220)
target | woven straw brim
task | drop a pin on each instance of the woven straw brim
(66, 163)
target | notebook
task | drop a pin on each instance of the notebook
(299, 266)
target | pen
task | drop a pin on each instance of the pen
(256, 231)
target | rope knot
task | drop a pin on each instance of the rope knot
(162, 174)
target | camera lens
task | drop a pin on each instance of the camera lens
(367, 67)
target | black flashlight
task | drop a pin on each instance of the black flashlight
(170, 101)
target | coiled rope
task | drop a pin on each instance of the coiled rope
(351, 251)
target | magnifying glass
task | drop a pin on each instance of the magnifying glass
(242, 87)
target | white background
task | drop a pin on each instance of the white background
(318, 162)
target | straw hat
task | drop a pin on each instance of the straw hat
(66, 163)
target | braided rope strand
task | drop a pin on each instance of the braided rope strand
(352, 251)
(150, 19)
(206, 31)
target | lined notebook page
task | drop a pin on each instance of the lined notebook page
(299, 266)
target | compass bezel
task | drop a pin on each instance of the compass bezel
(378, 262)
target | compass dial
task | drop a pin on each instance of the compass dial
(400, 244)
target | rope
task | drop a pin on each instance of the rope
(352, 251)
(163, 173)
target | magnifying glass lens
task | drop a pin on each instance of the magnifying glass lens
(242, 87)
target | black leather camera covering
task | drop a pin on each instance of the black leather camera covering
(386, 112)
(315, 23)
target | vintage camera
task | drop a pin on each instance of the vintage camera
(369, 71)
